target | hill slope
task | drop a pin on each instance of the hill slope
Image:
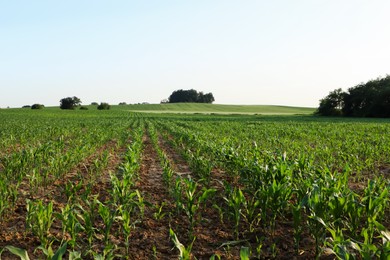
(215, 108)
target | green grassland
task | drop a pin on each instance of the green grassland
(216, 108)
(191, 108)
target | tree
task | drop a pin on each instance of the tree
(190, 96)
(104, 106)
(37, 106)
(332, 104)
(208, 98)
(370, 99)
(69, 103)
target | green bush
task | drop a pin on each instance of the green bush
(37, 106)
(104, 106)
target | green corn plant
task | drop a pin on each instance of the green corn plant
(75, 255)
(51, 255)
(251, 213)
(368, 250)
(336, 207)
(4, 197)
(121, 190)
(35, 179)
(354, 213)
(200, 165)
(70, 223)
(39, 220)
(189, 203)
(85, 195)
(21, 253)
(340, 246)
(245, 253)
(185, 252)
(278, 195)
(317, 206)
(104, 158)
(168, 173)
(12, 190)
(108, 217)
(72, 189)
(159, 214)
(375, 200)
(235, 201)
(193, 199)
(214, 257)
(141, 203)
(128, 169)
(297, 222)
(259, 247)
(220, 211)
(108, 253)
(177, 195)
(88, 226)
(92, 206)
(384, 251)
(127, 226)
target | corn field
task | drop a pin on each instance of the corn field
(122, 185)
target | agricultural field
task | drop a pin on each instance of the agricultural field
(120, 184)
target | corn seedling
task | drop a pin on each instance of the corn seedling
(108, 217)
(235, 201)
(88, 226)
(185, 252)
(51, 255)
(39, 220)
(127, 226)
(70, 223)
(193, 199)
(159, 214)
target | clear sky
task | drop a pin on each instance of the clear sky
(280, 52)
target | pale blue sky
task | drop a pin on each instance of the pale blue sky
(280, 52)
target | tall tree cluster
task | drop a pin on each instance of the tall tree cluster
(190, 96)
(371, 99)
(70, 103)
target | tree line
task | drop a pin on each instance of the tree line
(370, 99)
(177, 96)
(190, 96)
(71, 103)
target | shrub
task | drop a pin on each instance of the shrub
(83, 108)
(37, 106)
(104, 106)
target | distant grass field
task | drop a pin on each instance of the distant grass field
(218, 109)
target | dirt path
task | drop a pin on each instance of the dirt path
(150, 239)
